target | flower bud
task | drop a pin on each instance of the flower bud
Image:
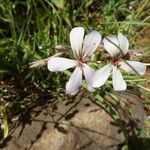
(60, 48)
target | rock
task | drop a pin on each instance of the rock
(90, 129)
(72, 125)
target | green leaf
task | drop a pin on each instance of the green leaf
(125, 147)
(5, 126)
(67, 72)
(59, 3)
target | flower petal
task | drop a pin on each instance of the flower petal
(110, 44)
(91, 42)
(118, 82)
(88, 73)
(101, 75)
(123, 43)
(76, 39)
(60, 64)
(75, 81)
(133, 67)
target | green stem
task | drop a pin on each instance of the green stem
(141, 8)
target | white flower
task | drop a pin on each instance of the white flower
(117, 47)
(82, 48)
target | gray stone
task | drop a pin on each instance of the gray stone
(73, 125)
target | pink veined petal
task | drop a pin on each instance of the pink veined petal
(101, 75)
(133, 67)
(88, 73)
(75, 81)
(110, 43)
(60, 64)
(118, 82)
(76, 39)
(91, 42)
(123, 43)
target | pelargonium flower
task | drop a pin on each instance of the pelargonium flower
(82, 47)
(117, 47)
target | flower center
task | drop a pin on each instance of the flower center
(116, 62)
(80, 61)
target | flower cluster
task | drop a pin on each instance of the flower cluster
(83, 47)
